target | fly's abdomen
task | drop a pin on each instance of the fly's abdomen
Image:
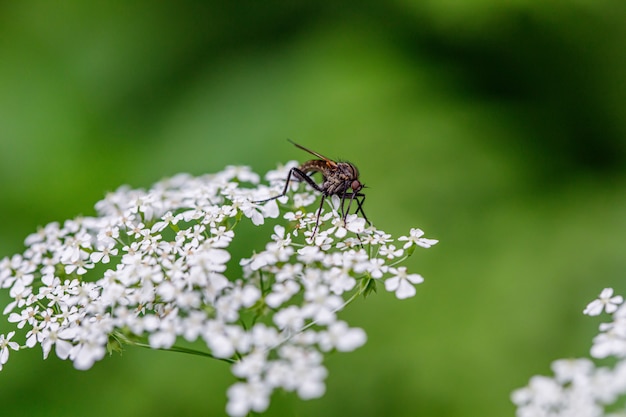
(315, 165)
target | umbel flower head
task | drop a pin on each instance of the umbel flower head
(580, 388)
(150, 269)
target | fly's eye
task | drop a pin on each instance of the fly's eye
(356, 186)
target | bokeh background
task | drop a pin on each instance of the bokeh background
(497, 127)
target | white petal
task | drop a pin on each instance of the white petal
(405, 290)
(594, 308)
(352, 339)
(415, 278)
(392, 284)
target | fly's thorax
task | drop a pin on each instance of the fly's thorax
(343, 177)
(345, 171)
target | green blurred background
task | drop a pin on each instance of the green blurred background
(497, 127)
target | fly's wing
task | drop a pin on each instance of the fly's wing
(329, 161)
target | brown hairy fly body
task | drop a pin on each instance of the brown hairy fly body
(338, 178)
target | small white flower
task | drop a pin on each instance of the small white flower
(323, 240)
(264, 337)
(165, 336)
(51, 337)
(281, 292)
(103, 254)
(26, 316)
(220, 237)
(349, 243)
(542, 390)
(340, 281)
(277, 176)
(270, 210)
(210, 260)
(321, 305)
(289, 318)
(305, 375)
(251, 211)
(390, 251)
(402, 282)
(244, 397)
(89, 349)
(608, 344)
(295, 217)
(303, 199)
(214, 334)
(192, 325)
(20, 292)
(34, 335)
(339, 336)
(279, 236)
(242, 173)
(80, 266)
(415, 238)
(310, 254)
(311, 382)
(606, 302)
(355, 224)
(572, 370)
(5, 345)
(251, 366)
(246, 295)
(377, 267)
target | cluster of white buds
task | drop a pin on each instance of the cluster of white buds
(579, 387)
(153, 269)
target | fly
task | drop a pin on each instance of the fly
(338, 178)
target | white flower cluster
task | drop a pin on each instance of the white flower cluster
(151, 270)
(579, 388)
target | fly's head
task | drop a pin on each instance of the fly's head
(356, 186)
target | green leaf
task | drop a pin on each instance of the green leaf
(369, 287)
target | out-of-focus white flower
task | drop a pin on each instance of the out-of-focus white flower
(579, 387)
(605, 302)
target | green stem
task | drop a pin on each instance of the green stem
(181, 349)
(398, 261)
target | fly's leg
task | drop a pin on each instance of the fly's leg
(359, 208)
(302, 176)
(317, 220)
(298, 174)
